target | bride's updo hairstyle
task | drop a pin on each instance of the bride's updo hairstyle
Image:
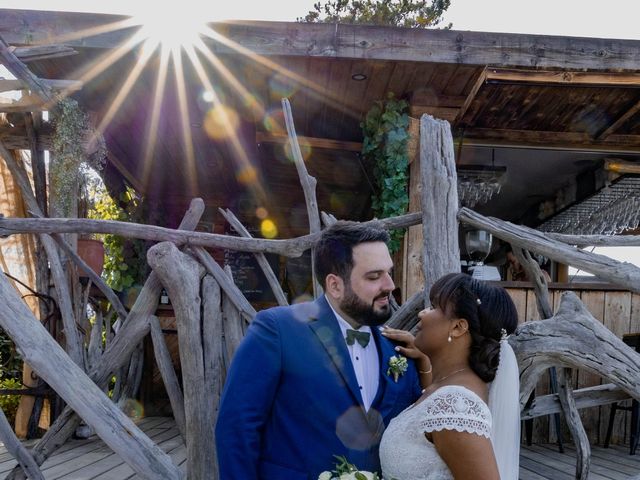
(487, 308)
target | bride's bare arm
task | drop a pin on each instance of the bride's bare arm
(468, 456)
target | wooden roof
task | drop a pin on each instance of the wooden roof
(562, 103)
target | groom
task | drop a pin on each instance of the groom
(310, 381)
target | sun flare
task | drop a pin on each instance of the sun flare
(170, 28)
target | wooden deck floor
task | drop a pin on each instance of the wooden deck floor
(92, 459)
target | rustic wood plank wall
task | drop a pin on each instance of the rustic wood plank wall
(619, 311)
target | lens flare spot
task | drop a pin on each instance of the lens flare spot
(305, 150)
(208, 96)
(268, 228)
(274, 121)
(337, 202)
(247, 175)
(262, 213)
(282, 86)
(221, 122)
(133, 409)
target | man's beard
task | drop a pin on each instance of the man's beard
(362, 312)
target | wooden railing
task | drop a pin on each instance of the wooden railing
(619, 311)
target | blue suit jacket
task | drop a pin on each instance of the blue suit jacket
(291, 400)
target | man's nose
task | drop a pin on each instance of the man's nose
(388, 285)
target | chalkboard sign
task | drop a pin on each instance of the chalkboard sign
(249, 277)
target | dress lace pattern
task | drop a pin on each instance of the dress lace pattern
(406, 454)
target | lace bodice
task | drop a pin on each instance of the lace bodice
(405, 453)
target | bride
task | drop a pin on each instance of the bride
(466, 424)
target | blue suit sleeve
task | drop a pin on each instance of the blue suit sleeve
(247, 399)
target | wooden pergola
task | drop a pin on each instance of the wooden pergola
(566, 102)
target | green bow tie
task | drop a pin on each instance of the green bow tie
(361, 337)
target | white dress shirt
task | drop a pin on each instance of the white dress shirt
(364, 360)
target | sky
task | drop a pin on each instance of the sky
(588, 18)
(582, 18)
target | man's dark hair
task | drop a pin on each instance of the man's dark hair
(334, 251)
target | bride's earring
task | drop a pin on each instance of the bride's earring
(449, 339)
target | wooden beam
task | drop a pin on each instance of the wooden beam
(550, 140)
(67, 85)
(427, 97)
(563, 77)
(43, 52)
(21, 72)
(480, 81)
(314, 142)
(443, 113)
(621, 120)
(22, 27)
(124, 171)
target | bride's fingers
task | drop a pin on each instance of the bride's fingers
(398, 335)
(409, 352)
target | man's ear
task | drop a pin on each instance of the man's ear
(460, 327)
(334, 286)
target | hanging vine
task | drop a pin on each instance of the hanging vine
(71, 162)
(386, 135)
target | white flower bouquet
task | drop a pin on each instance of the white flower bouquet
(347, 471)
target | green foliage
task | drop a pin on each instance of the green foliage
(71, 163)
(10, 361)
(385, 130)
(9, 403)
(125, 258)
(399, 13)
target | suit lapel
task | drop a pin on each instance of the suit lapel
(387, 387)
(326, 328)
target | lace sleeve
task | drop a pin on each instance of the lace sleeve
(456, 408)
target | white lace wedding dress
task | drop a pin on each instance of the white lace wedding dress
(406, 454)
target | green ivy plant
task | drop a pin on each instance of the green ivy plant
(71, 163)
(386, 135)
(125, 261)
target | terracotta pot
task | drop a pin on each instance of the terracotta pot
(92, 252)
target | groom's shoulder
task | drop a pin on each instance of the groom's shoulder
(299, 312)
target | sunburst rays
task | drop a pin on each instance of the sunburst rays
(220, 122)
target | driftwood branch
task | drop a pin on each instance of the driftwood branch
(73, 341)
(227, 285)
(117, 352)
(17, 450)
(260, 257)
(582, 241)
(168, 374)
(573, 338)
(51, 363)
(181, 276)
(212, 342)
(574, 422)
(619, 273)
(439, 198)
(584, 398)
(308, 184)
(293, 247)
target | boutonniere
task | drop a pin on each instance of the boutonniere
(397, 366)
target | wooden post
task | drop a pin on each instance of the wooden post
(214, 375)
(168, 374)
(441, 253)
(180, 276)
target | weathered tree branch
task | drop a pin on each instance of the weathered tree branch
(48, 359)
(260, 258)
(619, 273)
(308, 185)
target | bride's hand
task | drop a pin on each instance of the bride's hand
(407, 341)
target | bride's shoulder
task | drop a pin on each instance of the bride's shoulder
(449, 394)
